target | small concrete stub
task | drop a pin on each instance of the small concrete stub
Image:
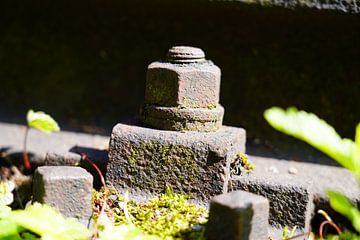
(238, 215)
(146, 159)
(66, 188)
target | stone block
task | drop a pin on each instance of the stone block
(146, 159)
(238, 215)
(68, 189)
(291, 198)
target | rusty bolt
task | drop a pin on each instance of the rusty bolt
(186, 79)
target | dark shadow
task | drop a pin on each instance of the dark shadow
(317, 218)
(287, 148)
(11, 163)
(96, 156)
(10, 158)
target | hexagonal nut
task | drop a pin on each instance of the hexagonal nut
(183, 119)
(195, 85)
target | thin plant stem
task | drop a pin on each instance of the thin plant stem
(332, 224)
(27, 164)
(85, 157)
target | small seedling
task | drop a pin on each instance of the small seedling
(42, 122)
(327, 221)
(287, 235)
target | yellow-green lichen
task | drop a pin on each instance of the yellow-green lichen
(160, 163)
(189, 103)
(240, 163)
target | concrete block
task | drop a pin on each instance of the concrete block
(238, 215)
(73, 158)
(68, 189)
(146, 159)
(291, 199)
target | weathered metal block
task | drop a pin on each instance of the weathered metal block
(146, 159)
(291, 199)
(238, 215)
(66, 188)
(182, 93)
(185, 80)
(315, 177)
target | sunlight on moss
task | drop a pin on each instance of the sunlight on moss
(169, 216)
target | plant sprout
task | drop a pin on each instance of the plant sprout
(42, 122)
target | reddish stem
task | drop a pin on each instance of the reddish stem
(332, 224)
(84, 156)
(27, 164)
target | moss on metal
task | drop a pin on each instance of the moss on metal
(173, 163)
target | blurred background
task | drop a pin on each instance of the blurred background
(84, 62)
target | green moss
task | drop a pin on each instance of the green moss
(169, 216)
(133, 157)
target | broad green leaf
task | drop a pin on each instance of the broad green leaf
(49, 223)
(342, 205)
(9, 230)
(316, 132)
(42, 121)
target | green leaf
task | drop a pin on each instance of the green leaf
(42, 121)
(316, 132)
(49, 223)
(9, 230)
(343, 206)
(29, 236)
